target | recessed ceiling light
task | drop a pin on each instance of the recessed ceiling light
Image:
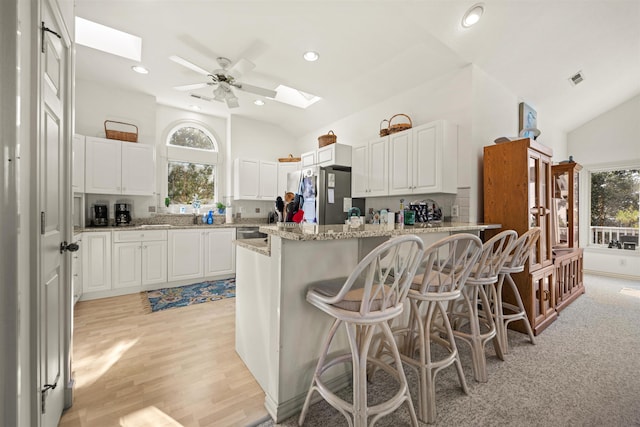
(311, 56)
(259, 102)
(473, 15)
(194, 107)
(140, 69)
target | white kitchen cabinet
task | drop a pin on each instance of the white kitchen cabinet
(329, 155)
(77, 164)
(76, 268)
(201, 252)
(96, 261)
(116, 167)
(424, 160)
(369, 171)
(185, 259)
(255, 179)
(220, 252)
(334, 155)
(139, 258)
(284, 168)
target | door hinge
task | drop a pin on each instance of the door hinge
(43, 220)
(43, 30)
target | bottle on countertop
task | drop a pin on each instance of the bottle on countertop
(210, 218)
(400, 215)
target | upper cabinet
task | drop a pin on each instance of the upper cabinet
(329, 155)
(369, 171)
(77, 170)
(424, 159)
(415, 161)
(115, 167)
(565, 205)
(255, 179)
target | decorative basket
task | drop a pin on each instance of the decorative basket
(120, 134)
(289, 159)
(384, 131)
(399, 127)
(328, 139)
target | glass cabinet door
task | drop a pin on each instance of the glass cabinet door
(540, 206)
(565, 205)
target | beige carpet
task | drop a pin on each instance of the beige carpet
(583, 371)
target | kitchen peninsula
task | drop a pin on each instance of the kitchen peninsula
(278, 334)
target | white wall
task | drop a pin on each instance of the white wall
(611, 139)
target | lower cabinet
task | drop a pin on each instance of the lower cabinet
(538, 295)
(139, 258)
(569, 276)
(198, 253)
(96, 262)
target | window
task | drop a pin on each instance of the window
(615, 201)
(191, 165)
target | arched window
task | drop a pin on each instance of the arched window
(192, 155)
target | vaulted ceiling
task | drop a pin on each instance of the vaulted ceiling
(371, 50)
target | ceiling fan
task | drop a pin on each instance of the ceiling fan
(224, 80)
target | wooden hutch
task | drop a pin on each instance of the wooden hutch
(518, 195)
(567, 255)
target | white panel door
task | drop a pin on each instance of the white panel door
(400, 162)
(127, 261)
(154, 262)
(246, 179)
(284, 168)
(268, 180)
(138, 169)
(360, 171)
(220, 252)
(96, 262)
(102, 166)
(378, 167)
(427, 157)
(185, 254)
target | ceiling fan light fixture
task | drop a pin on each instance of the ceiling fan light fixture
(473, 15)
(311, 56)
(140, 69)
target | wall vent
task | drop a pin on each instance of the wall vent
(576, 78)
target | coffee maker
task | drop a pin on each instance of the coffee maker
(123, 214)
(100, 215)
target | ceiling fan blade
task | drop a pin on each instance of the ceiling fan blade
(268, 93)
(204, 98)
(189, 65)
(192, 86)
(241, 67)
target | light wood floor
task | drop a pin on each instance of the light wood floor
(171, 368)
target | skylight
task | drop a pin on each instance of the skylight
(107, 39)
(295, 97)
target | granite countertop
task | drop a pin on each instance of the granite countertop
(165, 227)
(344, 231)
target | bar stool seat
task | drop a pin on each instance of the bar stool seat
(365, 302)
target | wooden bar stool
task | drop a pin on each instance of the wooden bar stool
(447, 264)
(365, 302)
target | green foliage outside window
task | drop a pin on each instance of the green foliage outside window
(191, 137)
(188, 179)
(615, 198)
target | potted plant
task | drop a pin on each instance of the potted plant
(221, 207)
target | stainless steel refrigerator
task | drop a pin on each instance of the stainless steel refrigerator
(326, 192)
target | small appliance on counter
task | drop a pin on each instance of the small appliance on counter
(100, 215)
(123, 214)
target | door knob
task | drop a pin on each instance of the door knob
(71, 247)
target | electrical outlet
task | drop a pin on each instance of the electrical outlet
(455, 211)
(152, 208)
(623, 262)
(257, 210)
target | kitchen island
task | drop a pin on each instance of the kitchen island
(278, 334)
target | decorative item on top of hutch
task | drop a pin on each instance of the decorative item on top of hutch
(517, 194)
(567, 255)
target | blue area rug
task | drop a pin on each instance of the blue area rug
(182, 296)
